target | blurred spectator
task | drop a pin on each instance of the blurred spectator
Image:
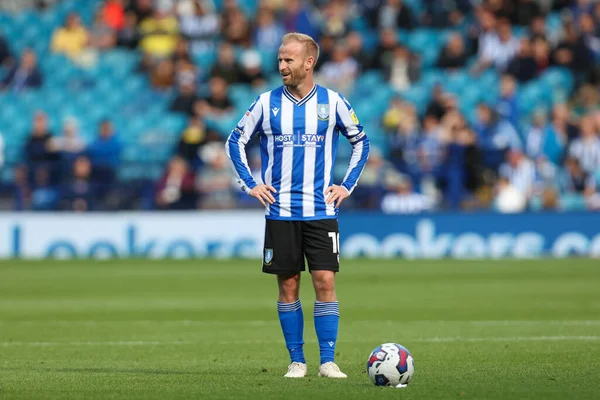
(335, 15)
(175, 190)
(461, 171)
(576, 180)
(101, 36)
(586, 101)
(37, 148)
(79, 192)
(69, 144)
(326, 44)
(523, 67)
(394, 14)
(201, 28)
(508, 199)
(186, 98)
(23, 76)
(572, 52)
(71, 39)
(544, 141)
(182, 51)
(163, 76)
(538, 29)
(355, 46)
(105, 154)
(481, 30)
(369, 194)
(519, 171)
(525, 11)
(430, 153)
(185, 72)
(541, 54)
(217, 104)
(497, 49)
(441, 14)
(226, 65)
(441, 102)
(340, 73)
(5, 53)
(508, 104)
(252, 72)
(192, 140)
(453, 55)
(268, 32)
(159, 34)
(401, 119)
(403, 200)
(402, 69)
(129, 36)
(590, 34)
(494, 136)
(236, 28)
(44, 195)
(113, 14)
(561, 125)
(586, 148)
(384, 53)
(141, 8)
(214, 179)
(297, 18)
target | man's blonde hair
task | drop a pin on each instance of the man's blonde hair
(311, 47)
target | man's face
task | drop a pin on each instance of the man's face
(40, 124)
(293, 63)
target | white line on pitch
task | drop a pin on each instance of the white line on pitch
(234, 342)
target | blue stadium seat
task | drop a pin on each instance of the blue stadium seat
(572, 202)
(455, 82)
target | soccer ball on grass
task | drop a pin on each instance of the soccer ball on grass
(390, 365)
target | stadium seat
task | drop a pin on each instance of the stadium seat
(572, 202)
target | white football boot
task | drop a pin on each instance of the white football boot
(331, 370)
(296, 370)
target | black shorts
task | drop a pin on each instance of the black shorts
(288, 242)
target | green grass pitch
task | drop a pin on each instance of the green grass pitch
(209, 330)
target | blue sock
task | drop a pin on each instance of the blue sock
(327, 316)
(292, 325)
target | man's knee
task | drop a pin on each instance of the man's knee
(324, 283)
(289, 288)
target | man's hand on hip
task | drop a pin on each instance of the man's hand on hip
(335, 192)
(263, 193)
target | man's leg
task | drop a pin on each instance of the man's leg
(321, 245)
(291, 317)
(327, 314)
(283, 257)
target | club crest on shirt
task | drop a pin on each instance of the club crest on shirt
(268, 256)
(323, 111)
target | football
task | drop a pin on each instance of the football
(390, 365)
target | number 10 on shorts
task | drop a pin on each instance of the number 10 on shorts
(335, 241)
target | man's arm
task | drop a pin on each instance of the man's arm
(350, 127)
(235, 147)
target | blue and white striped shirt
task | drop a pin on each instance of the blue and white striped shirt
(298, 141)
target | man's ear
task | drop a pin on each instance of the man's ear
(309, 63)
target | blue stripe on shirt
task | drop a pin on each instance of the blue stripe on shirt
(275, 102)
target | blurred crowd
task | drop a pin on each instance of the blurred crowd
(438, 159)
